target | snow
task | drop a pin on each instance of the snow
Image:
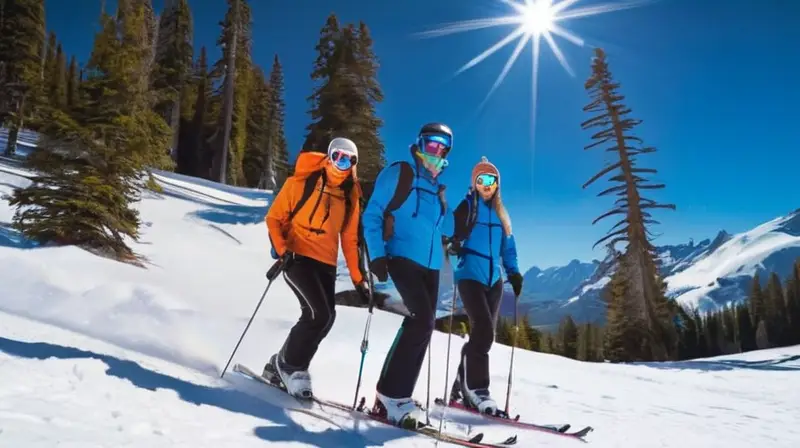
(96, 353)
(739, 256)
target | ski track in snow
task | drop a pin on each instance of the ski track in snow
(95, 353)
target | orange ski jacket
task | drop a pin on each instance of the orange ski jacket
(315, 230)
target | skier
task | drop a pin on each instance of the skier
(316, 205)
(404, 222)
(482, 240)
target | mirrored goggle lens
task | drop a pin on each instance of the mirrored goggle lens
(486, 180)
(343, 160)
(435, 145)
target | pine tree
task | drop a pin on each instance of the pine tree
(372, 149)
(345, 99)
(776, 311)
(236, 67)
(22, 32)
(644, 304)
(327, 112)
(195, 156)
(793, 304)
(568, 337)
(257, 157)
(503, 331)
(747, 333)
(92, 161)
(73, 83)
(757, 301)
(533, 335)
(278, 167)
(173, 64)
(57, 88)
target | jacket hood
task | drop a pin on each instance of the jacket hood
(309, 162)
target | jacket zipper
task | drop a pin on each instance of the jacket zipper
(491, 252)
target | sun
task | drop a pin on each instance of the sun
(537, 18)
(533, 21)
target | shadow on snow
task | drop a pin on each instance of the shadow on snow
(10, 237)
(229, 213)
(228, 399)
(778, 365)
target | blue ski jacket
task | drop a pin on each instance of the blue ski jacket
(419, 223)
(486, 247)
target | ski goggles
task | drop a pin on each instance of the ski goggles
(435, 145)
(343, 159)
(486, 180)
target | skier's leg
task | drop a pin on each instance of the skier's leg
(417, 286)
(474, 369)
(473, 372)
(308, 279)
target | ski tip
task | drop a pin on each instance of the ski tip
(510, 441)
(477, 438)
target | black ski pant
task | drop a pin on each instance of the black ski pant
(419, 288)
(482, 305)
(314, 284)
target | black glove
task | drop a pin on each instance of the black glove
(516, 283)
(379, 267)
(281, 265)
(363, 292)
(454, 247)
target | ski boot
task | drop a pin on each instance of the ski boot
(295, 382)
(403, 412)
(478, 399)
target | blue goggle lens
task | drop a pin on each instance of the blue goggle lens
(486, 180)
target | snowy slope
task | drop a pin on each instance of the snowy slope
(97, 353)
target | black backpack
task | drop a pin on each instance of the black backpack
(311, 184)
(402, 191)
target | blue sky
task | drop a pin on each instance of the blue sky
(712, 81)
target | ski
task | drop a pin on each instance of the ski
(560, 430)
(426, 430)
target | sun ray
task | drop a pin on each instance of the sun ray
(566, 34)
(469, 25)
(534, 20)
(506, 68)
(491, 50)
(559, 55)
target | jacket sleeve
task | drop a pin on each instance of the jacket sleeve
(278, 216)
(372, 219)
(350, 240)
(448, 223)
(460, 217)
(509, 255)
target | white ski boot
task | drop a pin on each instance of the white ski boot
(480, 400)
(297, 383)
(403, 412)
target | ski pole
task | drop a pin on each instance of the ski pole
(365, 339)
(447, 358)
(272, 273)
(428, 398)
(513, 345)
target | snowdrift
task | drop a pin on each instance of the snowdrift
(99, 353)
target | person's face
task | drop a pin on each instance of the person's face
(486, 185)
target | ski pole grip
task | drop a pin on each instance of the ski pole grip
(275, 270)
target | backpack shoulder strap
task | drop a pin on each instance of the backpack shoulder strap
(308, 189)
(472, 213)
(403, 187)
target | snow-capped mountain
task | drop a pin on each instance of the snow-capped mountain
(708, 274)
